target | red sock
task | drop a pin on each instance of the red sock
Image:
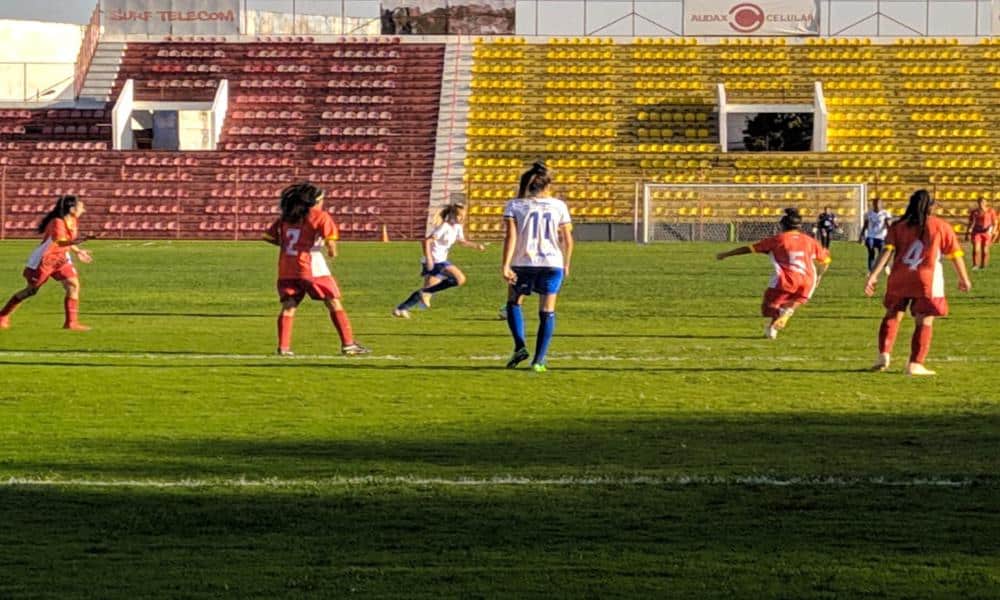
(343, 325)
(887, 334)
(11, 306)
(920, 343)
(285, 332)
(71, 306)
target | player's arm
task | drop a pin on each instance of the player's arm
(428, 256)
(968, 228)
(331, 233)
(734, 252)
(880, 264)
(331, 247)
(272, 235)
(471, 244)
(566, 245)
(509, 243)
(957, 258)
(864, 230)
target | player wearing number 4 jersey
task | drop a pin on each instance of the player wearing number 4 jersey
(916, 243)
(793, 254)
(537, 248)
(301, 232)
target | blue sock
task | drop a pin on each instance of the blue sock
(515, 321)
(410, 302)
(441, 286)
(546, 327)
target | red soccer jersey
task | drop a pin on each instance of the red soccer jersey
(49, 254)
(301, 255)
(982, 221)
(793, 254)
(916, 267)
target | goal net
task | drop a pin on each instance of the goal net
(742, 212)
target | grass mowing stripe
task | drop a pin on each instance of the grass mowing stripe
(507, 480)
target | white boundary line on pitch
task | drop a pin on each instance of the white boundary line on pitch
(500, 481)
(581, 356)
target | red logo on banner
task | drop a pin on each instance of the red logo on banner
(746, 17)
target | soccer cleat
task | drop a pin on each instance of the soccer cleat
(402, 313)
(783, 317)
(425, 300)
(520, 355)
(918, 370)
(354, 350)
(285, 352)
(5, 322)
(76, 327)
(539, 368)
(882, 363)
(770, 332)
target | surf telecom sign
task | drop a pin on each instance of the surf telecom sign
(739, 18)
(176, 17)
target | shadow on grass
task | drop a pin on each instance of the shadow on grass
(425, 542)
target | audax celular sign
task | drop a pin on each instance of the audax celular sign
(761, 17)
(178, 17)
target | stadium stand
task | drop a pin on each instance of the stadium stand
(330, 112)
(915, 113)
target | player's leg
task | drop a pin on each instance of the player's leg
(286, 321)
(920, 345)
(770, 308)
(515, 322)
(977, 251)
(403, 309)
(15, 301)
(341, 322)
(546, 327)
(870, 246)
(887, 332)
(71, 304)
(985, 261)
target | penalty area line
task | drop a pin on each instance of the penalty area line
(499, 481)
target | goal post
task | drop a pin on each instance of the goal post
(741, 212)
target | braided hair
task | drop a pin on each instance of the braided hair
(918, 210)
(297, 199)
(64, 204)
(534, 180)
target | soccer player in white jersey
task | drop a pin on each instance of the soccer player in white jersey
(874, 230)
(438, 273)
(537, 249)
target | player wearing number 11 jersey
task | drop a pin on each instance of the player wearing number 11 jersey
(537, 248)
(793, 253)
(301, 232)
(916, 243)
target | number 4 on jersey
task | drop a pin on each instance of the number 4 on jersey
(914, 255)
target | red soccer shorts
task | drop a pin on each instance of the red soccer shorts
(981, 239)
(318, 288)
(928, 307)
(37, 277)
(776, 299)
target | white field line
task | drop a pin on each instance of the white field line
(500, 481)
(580, 356)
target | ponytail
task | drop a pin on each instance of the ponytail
(64, 204)
(297, 199)
(534, 180)
(448, 212)
(918, 210)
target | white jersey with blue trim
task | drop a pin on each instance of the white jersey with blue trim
(537, 221)
(443, 238)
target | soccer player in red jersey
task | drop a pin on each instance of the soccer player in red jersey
(52, 259)
(982, 229)
(300, 232)
(917, 241)
(793, 254)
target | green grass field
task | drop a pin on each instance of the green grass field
(670, 451)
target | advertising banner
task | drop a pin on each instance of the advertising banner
(761, 17)
(174, 17)
(465, 17)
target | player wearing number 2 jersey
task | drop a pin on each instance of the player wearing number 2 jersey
(537, 248)
(916, 243)
(300, 232)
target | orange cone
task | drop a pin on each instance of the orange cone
(385, 234)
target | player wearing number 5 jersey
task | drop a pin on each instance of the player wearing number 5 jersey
(301, 232)
(916, 243)
(537, 249)
(792, 253)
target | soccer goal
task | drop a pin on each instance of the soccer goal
(741, 212)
